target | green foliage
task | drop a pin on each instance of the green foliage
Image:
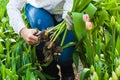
(79, 27)
(84, 73)
(99, 47)
(17, 59)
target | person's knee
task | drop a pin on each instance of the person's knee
(39, 17)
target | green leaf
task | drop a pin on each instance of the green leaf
(118, 45)
(102, 17)
(108, 37)
(76, 59)
(20, 70)
(83, 4)
(49, 77)
(3, 71)
(79, 25)
(30, 75)
(2, 35)
(45, 64)
(84, 73)
(106, 76)
(95, 76)
(18, 51)
(40, 74)
(75, 4)
(98, 46)
(90, 10)
(90, 52)
(10, 74)
(33, 54)
(1, 48)
(99, 66)
(2, 55)
(69, 44)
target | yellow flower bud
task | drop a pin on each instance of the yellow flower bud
(117, 71)
(113, 20)
(114, 76)
(92, 69)
(96, 58)
(95, 76)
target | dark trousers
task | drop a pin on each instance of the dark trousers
(41, 19)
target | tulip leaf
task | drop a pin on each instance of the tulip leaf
(91, 9)
(69, 44)
(84, 73)
(49, 77)
(20, 70)
(1, 48)
(40, 74)
(83, 4)
(76, 60)
(118, 45)
(79, 25)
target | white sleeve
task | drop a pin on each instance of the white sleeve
(67, 7)
(13, 9)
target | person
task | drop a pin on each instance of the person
(41, 14)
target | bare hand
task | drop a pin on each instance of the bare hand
(30, 35)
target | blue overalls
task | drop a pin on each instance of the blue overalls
(41, 19)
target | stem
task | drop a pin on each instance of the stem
(59, 32)
(56, 28)
(113, 40)
(63, 39)
(50, 29)
(54, 34)
(90, 54)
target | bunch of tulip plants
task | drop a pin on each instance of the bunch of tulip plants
(97, 29)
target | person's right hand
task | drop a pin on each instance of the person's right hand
(30, 35)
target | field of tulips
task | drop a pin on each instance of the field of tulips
(96, 25)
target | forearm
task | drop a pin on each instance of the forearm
(15, 17)
(67, 7)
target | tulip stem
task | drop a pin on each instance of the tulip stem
(62, 27)
(63, 39)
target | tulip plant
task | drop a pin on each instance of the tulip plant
(97, 29)
(96, 26)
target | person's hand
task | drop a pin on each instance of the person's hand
(69, 22)
(30, 35)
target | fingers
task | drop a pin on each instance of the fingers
(38, 33)
(29, 35)
(33, 39)
(34, 31)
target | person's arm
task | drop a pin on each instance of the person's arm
(14, 8)
(67, 7)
